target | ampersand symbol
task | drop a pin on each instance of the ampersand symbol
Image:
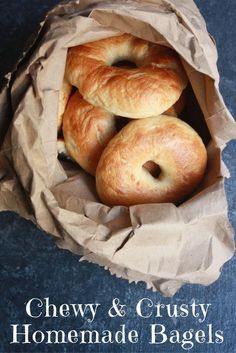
(116, 309)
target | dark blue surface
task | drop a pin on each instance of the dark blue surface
(32, 266)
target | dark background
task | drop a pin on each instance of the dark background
(32, 266)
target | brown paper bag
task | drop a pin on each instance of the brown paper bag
(161, 244)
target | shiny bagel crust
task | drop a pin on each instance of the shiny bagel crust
(122, 179)
(86, 131)
(150, 89)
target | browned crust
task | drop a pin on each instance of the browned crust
(148, 90)
(86, 130)
(170, 143)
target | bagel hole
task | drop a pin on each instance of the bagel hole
(152, 168)
(120, 122)
(125, 64)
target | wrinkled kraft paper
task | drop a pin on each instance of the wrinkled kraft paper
(161, 244)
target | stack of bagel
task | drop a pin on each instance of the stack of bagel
(121, 124)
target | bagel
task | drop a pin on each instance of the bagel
(170, 144)
(149, 89)
(86, 131)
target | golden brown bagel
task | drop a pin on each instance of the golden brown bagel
(150, 89)
(177, 150)
(86, 130)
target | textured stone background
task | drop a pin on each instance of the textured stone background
(32, 266)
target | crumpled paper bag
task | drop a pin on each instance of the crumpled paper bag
(161, 244)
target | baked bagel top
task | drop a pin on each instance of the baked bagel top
(150, 89)
(124, 174)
